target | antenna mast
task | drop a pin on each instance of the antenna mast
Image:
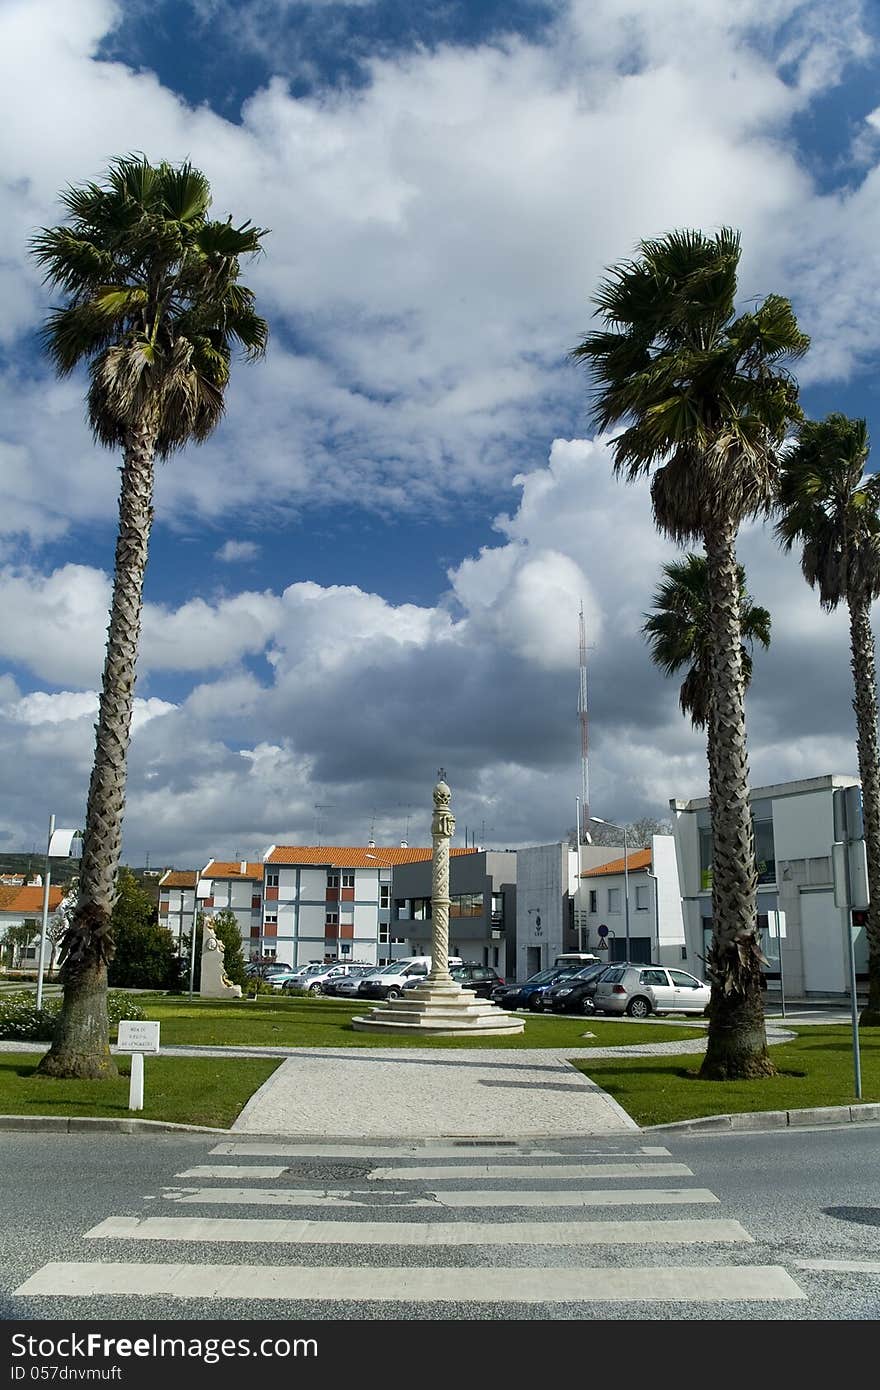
(583, 719)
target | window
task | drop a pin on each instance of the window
(641, 897)
(613, 899)
(271, 918)
(466, 905)
(654, 977)
(272, 878)
(594, 900)
(268, 952)
(684, 981)
(384, 894)
(383, 933)
(332, 880)
(331, 919)
(348, 880)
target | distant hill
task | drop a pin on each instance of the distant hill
(63, 870)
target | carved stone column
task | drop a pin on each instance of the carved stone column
(442, 830)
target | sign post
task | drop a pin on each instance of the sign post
(137, 1038)
(849, 865)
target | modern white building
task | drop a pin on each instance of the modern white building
(547, 880)
(794, 834)
(482, 907)
(656, 923)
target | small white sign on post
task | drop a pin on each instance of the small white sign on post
(137, 1038)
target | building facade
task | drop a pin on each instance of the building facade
(801, 928)
(20, 903)
(331, 902)
(177, 902)
(482, 908)
(656, 922)
(235, 886)
(547, 881)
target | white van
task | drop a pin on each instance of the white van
(389, 982)
(575, 958)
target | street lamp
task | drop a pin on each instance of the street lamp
(613, 826)
(62, 844)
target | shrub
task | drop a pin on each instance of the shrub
(22, 1021)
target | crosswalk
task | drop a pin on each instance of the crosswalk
(426, 1227)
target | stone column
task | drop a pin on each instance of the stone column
(442, 830)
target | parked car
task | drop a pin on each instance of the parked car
(390, 981)
(281, 979)
(346, 986)
(640, 990)
(574, 993)
(315, 977)
(526, 993)
(482, 979)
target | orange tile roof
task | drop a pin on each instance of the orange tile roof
(639, 859)
(29, 899)
(179, 878)
(352, 857)
(231, 868)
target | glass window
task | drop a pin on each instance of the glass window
(705, 858)
(271, 917)
(384, 894)
(272, 878)
(466, 905)
(594, 900)
(641, 897)
(765, 854)
(383, 932)
(348, 880)
(683, 980)
(613, 899)
(653, 977)
(332, 880)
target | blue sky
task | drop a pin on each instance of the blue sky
(375, 565)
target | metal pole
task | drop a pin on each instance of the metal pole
(578, 895)
(854, 1007)
(192, 948)
(626, 886)
(46, 881)
(779, 954)
(656, 914)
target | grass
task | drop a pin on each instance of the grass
(815, 1069)
(185, 1090)
(298, 1022)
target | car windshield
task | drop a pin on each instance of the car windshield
(542, 977)
(589, 971)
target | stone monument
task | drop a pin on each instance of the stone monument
(215, 983)
(440, 1008)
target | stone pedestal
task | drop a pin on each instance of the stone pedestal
(439, 1010)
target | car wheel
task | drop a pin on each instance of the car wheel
(587, 1006)
(536, 1006)
(315, 989)
(393, 993)
(639, 1007)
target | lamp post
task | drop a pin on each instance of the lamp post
(61, 844)
(656, 910)
(611, 824)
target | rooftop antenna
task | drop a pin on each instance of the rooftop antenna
(583, 830)
(372, 842)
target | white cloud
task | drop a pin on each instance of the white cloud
(231, 552)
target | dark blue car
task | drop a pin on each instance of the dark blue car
(529, 993)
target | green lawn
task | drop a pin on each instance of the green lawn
(816, 1069)
(185, 1090)
(298, 1022)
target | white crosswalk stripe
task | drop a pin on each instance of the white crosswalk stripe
(400, 1224)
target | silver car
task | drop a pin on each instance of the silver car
(640, 990)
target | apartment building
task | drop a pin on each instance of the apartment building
(330, 902)
(177, 902)
(235, 886)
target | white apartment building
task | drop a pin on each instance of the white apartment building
(330, 902)
(656, 922)
(177, 902)
(794, 833)
(235, 886)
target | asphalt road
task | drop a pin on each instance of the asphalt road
(798, 1196)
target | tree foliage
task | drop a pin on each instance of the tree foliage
(145, 957)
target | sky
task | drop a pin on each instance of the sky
(374, 567)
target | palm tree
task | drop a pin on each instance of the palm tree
(153, 306)
(705, 401)
(679, 632)
(828, 505)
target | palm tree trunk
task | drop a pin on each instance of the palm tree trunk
(81, 1046)
(737, 1043)
(865, 706)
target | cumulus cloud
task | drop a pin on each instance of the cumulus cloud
(232, 552)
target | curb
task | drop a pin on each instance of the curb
(772, 1119)
(85, 1124)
